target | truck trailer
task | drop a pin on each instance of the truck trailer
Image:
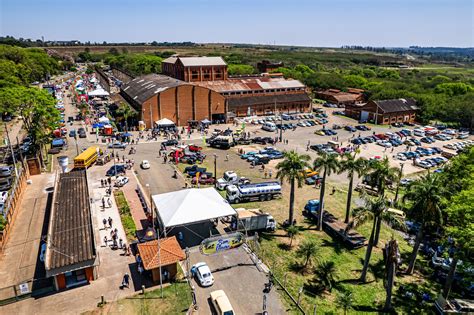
(253, 220)
(252, 192)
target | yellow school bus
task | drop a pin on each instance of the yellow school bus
(86, 158)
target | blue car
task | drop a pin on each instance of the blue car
(247, 155)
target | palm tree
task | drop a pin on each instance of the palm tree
(352, 166)
(425, 195)
(324, 274)
(345, 300)
(376, 210)
(292, 231)
(382, 173)
(124, 111)
(291, 169)
(391, 262)
(328, 163)
(307, 250)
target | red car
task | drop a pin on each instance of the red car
(194, 148)
(203, 180)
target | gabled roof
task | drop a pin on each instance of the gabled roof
(202, 61)
(70, 232)
(191, 206)
(397, 105)
(171, 59)
(250, 84)
(170, 253)
(143, 87)
(268, 99)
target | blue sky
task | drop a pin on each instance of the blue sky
(323, 23)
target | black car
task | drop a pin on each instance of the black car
(259, 140)
(115, 170)
(170, 142)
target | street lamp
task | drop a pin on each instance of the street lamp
(399, 179)
(215, 169)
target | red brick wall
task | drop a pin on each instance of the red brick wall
(201, 96)
(185, 100)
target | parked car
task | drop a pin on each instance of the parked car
(221, 303)
(203, 274)
(6, 171)
(203, 180)
(170, 142)
(145, 164)
(121, 181)
(116, 170)
(72, 133)
(117, 145)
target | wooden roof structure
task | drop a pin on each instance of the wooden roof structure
(70, 233)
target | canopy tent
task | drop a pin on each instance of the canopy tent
(99, 92)
(164, 122)
(190, 206)
(205, 121)
(104, 119)
(98, 125)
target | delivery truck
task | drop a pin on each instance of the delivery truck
(253, 220)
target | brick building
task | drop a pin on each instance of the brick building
(197, 88)
(268, 66)
(384, 112)
(195, 69)
(158, 96)
(338, 97)
(71, 256)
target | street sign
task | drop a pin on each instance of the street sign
(24, 289)
(214, 245)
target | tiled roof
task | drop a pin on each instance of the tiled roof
(202, 61)
(250, 84)
(170, 252)
(142, 88)
(268, 99)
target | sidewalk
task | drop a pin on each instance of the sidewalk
(136, 208)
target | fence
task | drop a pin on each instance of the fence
(25, 289)
(12, 204)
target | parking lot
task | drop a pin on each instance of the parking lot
(236, 274)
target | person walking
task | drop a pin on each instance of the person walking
(227, 157)
(110, 222)
(109, 202)
(120, 243)
(270, 174)
(105, 240)
(126, 280)
(105, 223)
(103, 202)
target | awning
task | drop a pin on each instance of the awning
(164, 122)
(191, 206)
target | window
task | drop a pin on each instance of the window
(194, 74)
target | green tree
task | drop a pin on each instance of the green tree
(381, 174)
(327, 163)
(375, 209)
(292, 231)
(390, 255)
(345, 300)
(460, 228)
(307, 250)
(124, 112)
(324, 275)
(239, 69)
(425, 195)
(291, 170)
(352, 166)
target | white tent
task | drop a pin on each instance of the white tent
(164, 122)
(191, 206)
(104, 119)
(99, 92)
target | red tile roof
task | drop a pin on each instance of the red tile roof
(170, 252)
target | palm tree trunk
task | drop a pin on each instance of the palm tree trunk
(414, 253)
(349, 198)
(389, 286)
(321, 202)
(292, 200)
(449, 280)
(368, 253)
(377, 232)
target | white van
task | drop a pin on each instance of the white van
(419, 132)
(269, 126)
(221, 303)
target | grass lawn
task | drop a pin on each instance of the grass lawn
(176, 300)
(125, 215)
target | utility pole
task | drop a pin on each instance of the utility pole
(11, 150)
(77, 147)
(215, 169)
(398, 184)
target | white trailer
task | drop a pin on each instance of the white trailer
(230, 178)
(251, 192)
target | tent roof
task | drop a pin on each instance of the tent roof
(191, 206)
(164, 121)
(99, 92)
(104, 119)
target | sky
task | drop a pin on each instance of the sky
(319, 23)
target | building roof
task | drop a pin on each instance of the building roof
(397, 105)
(70, 232)
(171, 59)
(202, 61)
(268, 99)
(170, 253)
(187, 206)
(346, 97)
(143, 87)
(250, 83)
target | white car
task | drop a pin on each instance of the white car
(203, 274)
(145, 164)
(406, 181)
(121, 181)
(423, 164)
(401, 157)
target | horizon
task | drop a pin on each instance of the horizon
(300, 23)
